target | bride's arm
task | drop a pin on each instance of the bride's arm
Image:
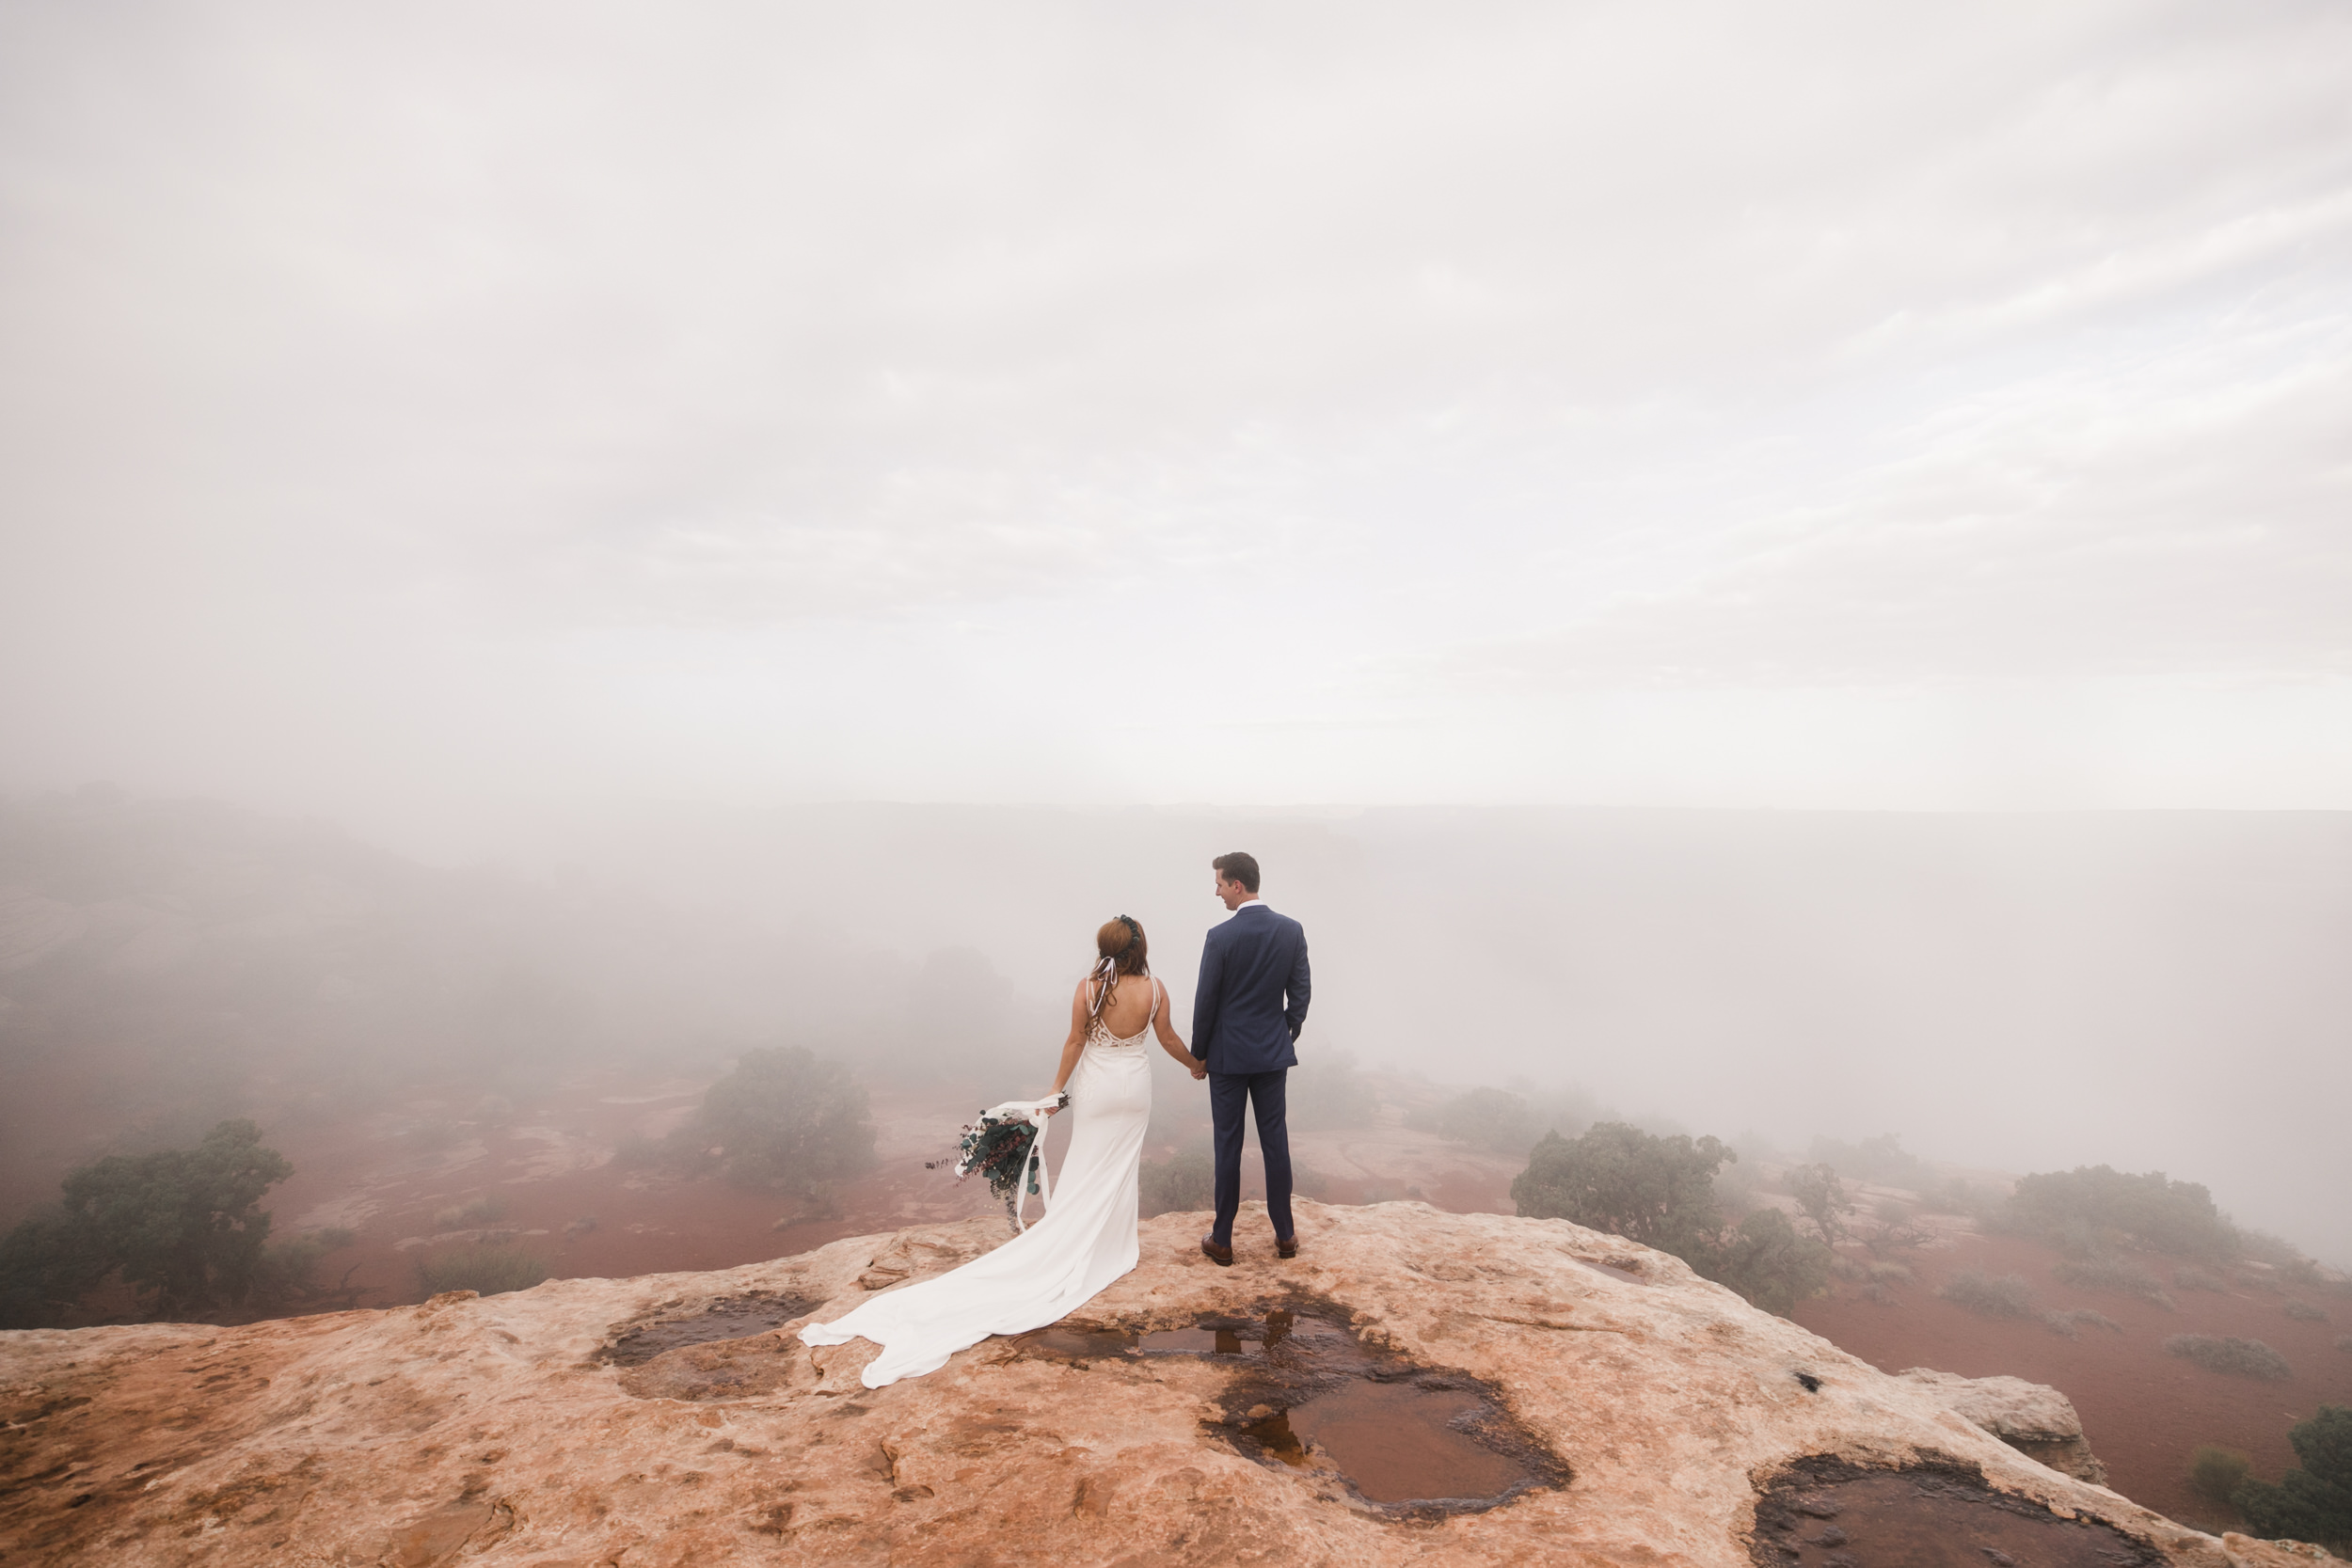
(1076, 1043)
(1170, 1043)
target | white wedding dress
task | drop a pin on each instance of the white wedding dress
(1086, 1240)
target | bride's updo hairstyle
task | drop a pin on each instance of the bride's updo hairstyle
(1120, 948)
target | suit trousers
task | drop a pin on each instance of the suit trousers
(1264, 1091)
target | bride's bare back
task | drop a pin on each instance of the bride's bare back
(1130, 1003)
(1135, 1001)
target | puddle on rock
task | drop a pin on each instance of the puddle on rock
(735, 1318)
(1194, 1341)
(1827, 1513)
(1306, 1393)
(1077, 1344)
(1400, 1442)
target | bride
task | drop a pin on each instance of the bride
(1087, 1236)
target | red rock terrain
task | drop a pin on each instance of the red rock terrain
(2144, 1412)
(549, 1163)
(1610, 1407)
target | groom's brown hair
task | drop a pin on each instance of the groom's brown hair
(1237, 867)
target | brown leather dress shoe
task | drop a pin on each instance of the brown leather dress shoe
(1221, 1255)
(1286, 1247)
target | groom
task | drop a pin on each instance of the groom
(1246, 1015)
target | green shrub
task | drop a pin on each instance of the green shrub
(183, 1228)
(471, 1214)
(45, 1265)
(2119, 1274)
(1766, 1260)
(1658, 1192)
(783, 1121)
(289, 1273)
(2189, 1277)
(2238, 1358)
(2214, 1473)
(2071, 1321)
(490, 1270)
(2306, 1311)
(2091, 1202)
(1890, 1274)
(1821, 1196)
(2003, 1296)
(2314, 1501)
(1183, 1183)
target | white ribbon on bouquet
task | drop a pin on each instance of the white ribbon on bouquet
(1034, 1113)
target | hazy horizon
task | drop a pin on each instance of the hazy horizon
(2153, 990)
(1849, 504)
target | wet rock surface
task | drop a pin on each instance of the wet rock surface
(1447, 1389)
(1302, 1392)
(1828, 1514)
(729, 1318)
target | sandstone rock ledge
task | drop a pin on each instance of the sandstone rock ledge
(493, 1431)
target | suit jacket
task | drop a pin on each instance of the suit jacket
(1251, 1002)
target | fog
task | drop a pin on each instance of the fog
(2154, 991)
(1785, 567)
(414, 413)
(2007, 992)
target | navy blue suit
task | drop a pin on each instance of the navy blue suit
(1246, 1013)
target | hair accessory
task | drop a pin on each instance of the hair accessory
(1106, 968)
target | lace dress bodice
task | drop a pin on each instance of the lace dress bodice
(1098, 1033)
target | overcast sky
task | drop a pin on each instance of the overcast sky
(407, 411)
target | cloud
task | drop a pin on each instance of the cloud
(1536, 350)
(2178, 512)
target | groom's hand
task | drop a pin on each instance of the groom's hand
(1200, 1069)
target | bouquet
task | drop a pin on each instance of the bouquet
(1007, 1144)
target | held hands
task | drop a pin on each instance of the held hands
(1199, 1067)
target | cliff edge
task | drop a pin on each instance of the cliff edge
(1415, 1386)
